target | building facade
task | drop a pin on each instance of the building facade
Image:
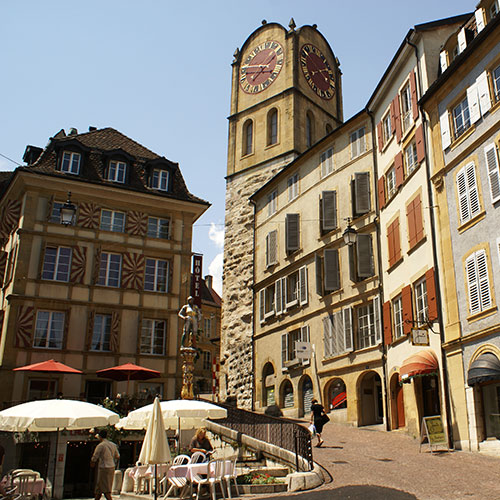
(105, 289)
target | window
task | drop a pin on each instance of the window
(390, 177)
(361, 193)
(394, 242)
(207, 360)
(101, 334)
(269, 301)
(495, 76)
(158, 228)
(309, 129)
(494, 9)
(461, 118)
(468, 195)
(415, 221)
(386, 128)
(491, 155)
(272, 127)
(272, 203)
(156, 275)
(478, 282)
(116, 171)
(397, 314)
(293, 187)
(159, 179)
(288, 346)
(292, 232)
(406, 108)
(49, 330)
(149, 390)
(153, 336)
(56, 264)
(292, 289)
(207, 327)
(248, 138)
(326, 162)
(271, 248)
(368, 323)
(361, 258)
(70, 162)
(40, 388)
(110, 269)
(337, 333)
(55, 214)
(357, 140)
(411, 160)
(421, 304)
(328, 210)
(112, 221)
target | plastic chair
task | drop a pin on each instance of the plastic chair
(230, 473)
(214, 477)
(181, 460)
(25, 483)
(176, 482)
(198, 457)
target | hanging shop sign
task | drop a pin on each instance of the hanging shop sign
(419, 336)
(196, 282)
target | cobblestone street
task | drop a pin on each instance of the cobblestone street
(371, 465)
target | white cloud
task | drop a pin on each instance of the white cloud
(216, 235)
(215, 269)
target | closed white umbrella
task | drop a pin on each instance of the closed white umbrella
(155, 449)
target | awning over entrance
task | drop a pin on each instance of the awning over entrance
(483, 369)
(422, 363)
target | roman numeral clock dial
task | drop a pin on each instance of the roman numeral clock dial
(261, 67)
(317, 71)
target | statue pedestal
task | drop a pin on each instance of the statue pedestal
(187, 355)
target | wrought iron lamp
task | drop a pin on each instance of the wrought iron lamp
(350, 234)
(68, 211)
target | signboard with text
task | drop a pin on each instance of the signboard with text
(196, 281)
(433, 432)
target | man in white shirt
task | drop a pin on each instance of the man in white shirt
(105, 454)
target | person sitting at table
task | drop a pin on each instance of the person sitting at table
(200, 442)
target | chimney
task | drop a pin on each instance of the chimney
(73, 131)
(209, 281)
(31, 154)
(91, 129)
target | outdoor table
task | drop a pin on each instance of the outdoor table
(187, 472)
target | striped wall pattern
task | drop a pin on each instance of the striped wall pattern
(133, 270)
(10, 217)
(137, 223)
(78, 264)
(25, 324)
(115, 331)
(88, 215)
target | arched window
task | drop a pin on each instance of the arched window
(272, 127)
(309, 129)
(247, 137)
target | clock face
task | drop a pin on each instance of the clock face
(261, 67)
(317, 71)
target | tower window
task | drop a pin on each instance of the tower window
(248, 138)
(272, 127)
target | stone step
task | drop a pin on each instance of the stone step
(270, 471)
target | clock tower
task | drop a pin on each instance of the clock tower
(286, 95)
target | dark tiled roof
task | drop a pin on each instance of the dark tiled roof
(5, 178)
(98, 144)
(209, 294)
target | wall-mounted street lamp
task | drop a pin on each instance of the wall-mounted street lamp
(68, 211)
(350, 234)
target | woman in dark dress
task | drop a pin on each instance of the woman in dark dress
(317, 412)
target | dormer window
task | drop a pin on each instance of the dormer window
(70, 162)
(117, 171)
(159, 179)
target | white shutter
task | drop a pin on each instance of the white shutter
(262, 302)
(278, 297)
(376, 318)
(463, 202)
(473, 103)
(445, 130)
(483, 90)
(327, 334)
(328, 210)
(483, 279)
(348, 341)
(475, 206)
(271, 248)
(338, 341)
(490, 152)
(284, 292)
(284, 349)
(462, 41)
(292, 232)
(470, 268)
(331, 270)
(304, 337)
(268, 249)
(479, 19)
(362, 192)
(303, 287)
(443, 60)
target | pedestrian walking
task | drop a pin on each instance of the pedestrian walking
(105, 454)
(319, 419)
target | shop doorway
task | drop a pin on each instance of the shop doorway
(397, 403)
(491, 409)
(286, 395)
(307, 395)
(371, 409)
(97, 390)
(427, 391)
(78, 475)
(268, 381)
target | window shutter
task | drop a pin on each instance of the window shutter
(462, 196)
(347, 317)
(479, 19)
(319, 274)
(419, 140)
(475, 207)
(394, 243)
(362, 192)
(268, 249)
(327, 336)
(418, 214)
(445, 130)
(364, 255)
(431, 294)
(414, 97)
(406, 301)
(303, 288)
(470, 267)
(284, 292)
(381, 192)
(292, 232)
(397, 114)
(387, 323)
(376, 319)
(332, 270)
(443, 60)
(412, 230)
(483, 90)
(352, 263)
(483, 279)
(338, 337)
(392, 111)
(278, 297)
(490, 152)
(284, 349)
(329, 210)
(271, 248)
(398, 166)
(262, 302)
(473, 102)
(380, 136)
(304, 337)
(462, 41)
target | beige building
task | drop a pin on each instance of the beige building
(105, 289)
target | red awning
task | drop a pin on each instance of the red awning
(422, 363)
(128, 371)
(50, 366)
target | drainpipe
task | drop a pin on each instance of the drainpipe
(254, 308)
(380, 273)
(430, 200)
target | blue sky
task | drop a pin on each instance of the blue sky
(160, 72)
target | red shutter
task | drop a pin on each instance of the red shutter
(381, 192)
(419, 224)
(390, 244)
(407, 309)
(414, 98)
(419, 139)
(397, 114)
(397, 241)
(379, 136)
(393, 115)
(394, 242)
(431, 294)
(410, 215)
(398, 165)
(387, 323)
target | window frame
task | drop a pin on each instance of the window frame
(357, 142)
(48, 336)
(293, 186)
(248, 138)
(390, 179)
(272, 203)
(70, 169)
(410, 151)
(463, 115)
(157, 233)
(104, 333)
(397, 317)
(495, 82)
(156, 284)
(107, 279)
(114, 225)
(387, 127)
(160, 179)
(326, 162)
(421, 302)
(406, 107)
(151, 334)
(478, 262)
(57, 264)
(117, 167)
(272, 127)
